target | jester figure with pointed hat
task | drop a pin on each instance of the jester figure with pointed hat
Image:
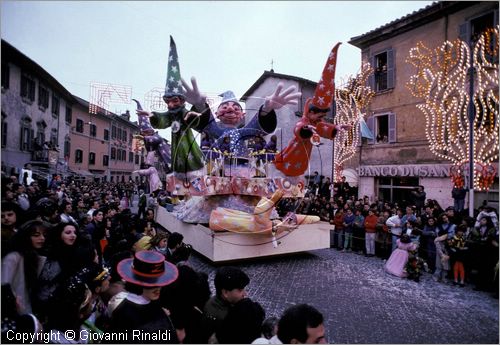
(294, 158)
(186, 155)
(231, 116)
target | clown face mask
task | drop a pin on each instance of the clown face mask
(230, 113)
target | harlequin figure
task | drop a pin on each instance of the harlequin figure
(294, 159)
(185, 152)
(231, 118)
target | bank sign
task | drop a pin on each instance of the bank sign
(436, 170)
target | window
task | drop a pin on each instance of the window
(92, 158)
(78, 156)
(69, 115)
(53, 137)
(124, 135)
(93, 130)
(43, 97)
(26, 134)
(471, 30)
(136, 159)
(40, 132)
(79, 126)
(130, 157)
(5, 76)
(106, 134)
(383, 77)
(105, 160)
(119, 134)
(27, 88)
(113, 132)
(4, 130)
(383, 127)
(396, 189)
(55, 105)
(67, 147)
(113, 153)
(131, 138)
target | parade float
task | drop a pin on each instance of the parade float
(228, 189)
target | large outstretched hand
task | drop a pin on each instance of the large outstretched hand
(281, 98)
(193, 94)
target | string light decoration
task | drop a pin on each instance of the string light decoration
(351, 100)
(101, 94)
(442, 80)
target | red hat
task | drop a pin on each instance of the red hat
(323, 95)
(148, 268)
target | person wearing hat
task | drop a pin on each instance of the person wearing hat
(186, 155)
(138, 308)
(231, 117)
(293, 160)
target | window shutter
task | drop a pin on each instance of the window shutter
(370, 123)
(30, 141)
(392, 128)
(464, 32)
(391, 77)
(371, 77)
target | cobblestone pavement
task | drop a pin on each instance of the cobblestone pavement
(363, 304)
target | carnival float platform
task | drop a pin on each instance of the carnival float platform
(230, 246)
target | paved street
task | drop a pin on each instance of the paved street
(363, 304)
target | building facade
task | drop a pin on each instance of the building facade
(35, 113)
(398, 159)
(45, 125)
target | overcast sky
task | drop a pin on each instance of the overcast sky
(225, 45)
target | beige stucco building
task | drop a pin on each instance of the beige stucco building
(399, 158)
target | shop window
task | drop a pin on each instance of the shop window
(397, 189)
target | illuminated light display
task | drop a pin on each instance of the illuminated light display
(101, 94)
(351, 101)
(442, 80)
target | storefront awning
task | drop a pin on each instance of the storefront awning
(82, 172)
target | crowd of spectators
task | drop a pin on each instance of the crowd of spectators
(76, 259)
(469, 250)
